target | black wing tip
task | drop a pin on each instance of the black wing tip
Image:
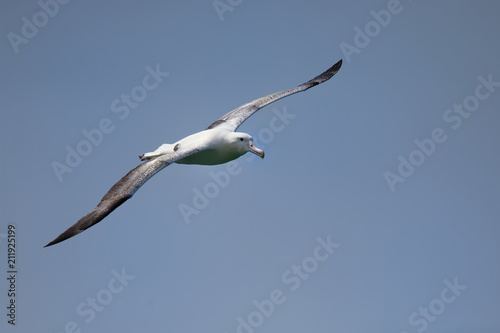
(335, 68)
(326, 75)
(55, 241)
(65, 235)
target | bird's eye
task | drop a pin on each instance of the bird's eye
(241, 139)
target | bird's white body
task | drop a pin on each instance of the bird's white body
(220, 146)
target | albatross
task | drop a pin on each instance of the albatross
(218, 143)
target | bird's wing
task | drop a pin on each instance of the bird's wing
(123, 190)
(233, 119)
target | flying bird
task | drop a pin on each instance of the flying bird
(217, 144)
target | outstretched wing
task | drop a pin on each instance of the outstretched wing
(233, 119)
(123, 190)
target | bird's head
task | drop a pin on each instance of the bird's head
(244, 142)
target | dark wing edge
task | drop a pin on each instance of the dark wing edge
(233, 119)
(123, 190)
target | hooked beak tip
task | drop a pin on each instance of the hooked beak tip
(256, 151)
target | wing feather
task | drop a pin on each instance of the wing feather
(233, 119)
(123, 190)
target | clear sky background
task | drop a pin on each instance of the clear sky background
(417, 253)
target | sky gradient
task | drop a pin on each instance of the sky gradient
(374, 210)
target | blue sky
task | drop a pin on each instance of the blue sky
(375, 208)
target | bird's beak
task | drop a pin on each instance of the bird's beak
(255, 150)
